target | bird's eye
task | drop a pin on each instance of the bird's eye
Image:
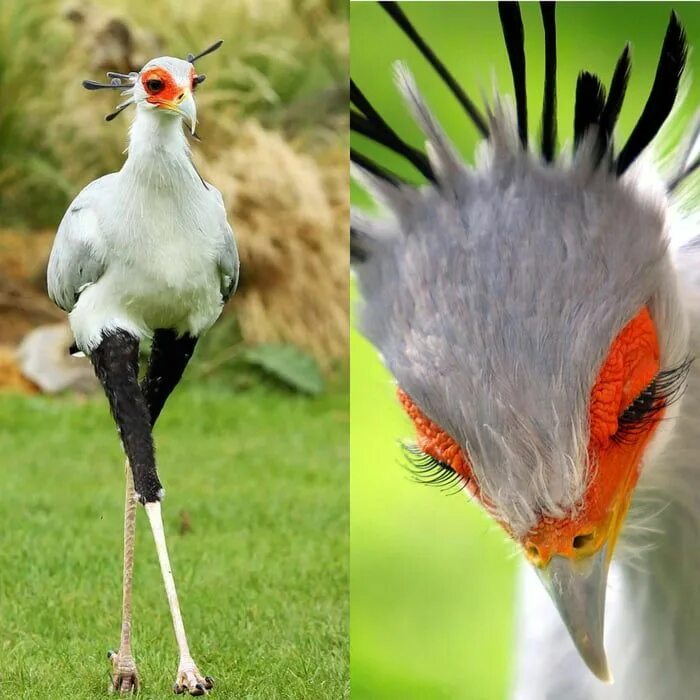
(154, 85)
(645, 410)
(425, 469)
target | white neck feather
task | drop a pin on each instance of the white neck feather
(158, 152)
(656, 619)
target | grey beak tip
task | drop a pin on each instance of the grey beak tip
(605, 676)
(597, 663)
(578, 589)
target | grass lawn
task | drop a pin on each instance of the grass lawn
(262, 573)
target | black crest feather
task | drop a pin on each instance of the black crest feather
(115, 84)
(616, 96)
(371, 167)
(549, 107)
(368, 122)
(514, 36)
(590, 102)
(210, 49)
(662, 96)
(397, 14)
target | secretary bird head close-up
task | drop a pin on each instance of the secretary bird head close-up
(146, 252)
(537, 311)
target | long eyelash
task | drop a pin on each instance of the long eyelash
(665, 389)
(427, 470)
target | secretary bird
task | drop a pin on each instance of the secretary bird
(146, 252)
(536, 312)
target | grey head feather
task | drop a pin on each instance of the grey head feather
(443, 156)
(494, 295)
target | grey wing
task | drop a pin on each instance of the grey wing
(228, 254)
(75, 260)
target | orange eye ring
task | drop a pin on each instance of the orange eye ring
(160, 86)
(434, 441)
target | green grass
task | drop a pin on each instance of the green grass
(432, 578)
(262, 574)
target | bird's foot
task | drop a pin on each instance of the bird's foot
(190, 680)
(125, 677)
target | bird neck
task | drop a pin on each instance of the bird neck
(655, 618)
(158, 152)
(661, 610)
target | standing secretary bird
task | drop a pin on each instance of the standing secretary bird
(536, 311)
(146, 252)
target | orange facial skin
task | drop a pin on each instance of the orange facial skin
(170, 93)
(434, 441)
(631, 365)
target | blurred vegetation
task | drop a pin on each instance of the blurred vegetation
(432, 577)
(284, 62)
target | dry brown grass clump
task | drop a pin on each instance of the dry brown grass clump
(290, 215)
(23, 301)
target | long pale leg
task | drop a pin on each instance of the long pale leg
(135, 409)
(125, 678)
(188, 676)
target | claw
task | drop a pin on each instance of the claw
(126, 684)
(125, 678)
(189, 680)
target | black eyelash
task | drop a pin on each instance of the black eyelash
(427, 470)
(665, 389)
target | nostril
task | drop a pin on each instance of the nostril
(580, 541)
(181, 96)
(533, 551)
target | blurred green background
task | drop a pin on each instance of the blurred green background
(432, 578)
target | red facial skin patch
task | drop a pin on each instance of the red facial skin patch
(630, 366)
(437, 443)
(170, 92)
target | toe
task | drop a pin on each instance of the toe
(125, 678)
(189, 680)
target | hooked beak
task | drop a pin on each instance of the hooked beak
(577, 587)
(573, 560)
(185, 106)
